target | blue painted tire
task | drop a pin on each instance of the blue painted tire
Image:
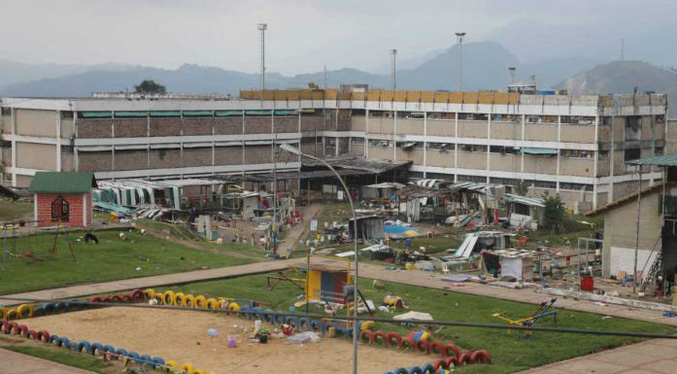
(73, 346)
(77, 306)
(134, 356)
(109, 348)
(401, 371)
(244, 312)
(428, 368)
(293, 321)
(49, 308)
(145, 359)
(122, 352)
(279, 319)
(60, 307)
(258, 313)
(39, 311)
(97, 348)
(159, 361)
(269, 316)
(304, 324)
(53, 339)
(84, 345)
(416, 370)
(318, 325)
(63, 342)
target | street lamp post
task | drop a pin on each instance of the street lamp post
(356, 336)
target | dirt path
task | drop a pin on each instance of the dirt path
(297, 232)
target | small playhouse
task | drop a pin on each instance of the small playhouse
(62, 198)
(326, 284)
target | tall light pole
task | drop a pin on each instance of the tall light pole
(356, 335)
(459, 61)
(263, 27)
(393, 69)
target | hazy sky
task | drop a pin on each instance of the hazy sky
(305, 35)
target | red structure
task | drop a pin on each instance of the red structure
(63, 198)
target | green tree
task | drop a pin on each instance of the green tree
(554, 212)
(521, 187)
(150, 87)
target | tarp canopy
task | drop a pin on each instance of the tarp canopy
(418, 316)
(386, 185)
(537, 151)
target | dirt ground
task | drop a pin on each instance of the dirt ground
(182, 336)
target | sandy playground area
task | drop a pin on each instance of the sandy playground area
(182, 336)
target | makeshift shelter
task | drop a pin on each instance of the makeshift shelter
(514, 264)
(525, 211)
(369, 228)
(62, 198)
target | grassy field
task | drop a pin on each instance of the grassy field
(70, 358)
(11, 210)
(510, 352)
(111, 259)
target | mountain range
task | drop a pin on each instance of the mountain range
(485, 66)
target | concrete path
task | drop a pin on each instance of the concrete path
(153, 281)
(652, 356)
(18, 363)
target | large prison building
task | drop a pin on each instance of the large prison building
(576, 146)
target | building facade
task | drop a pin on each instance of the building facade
(576, 146)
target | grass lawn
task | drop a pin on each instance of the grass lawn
(70, 358)
(510, 352)
(111, 259)
(12, 210)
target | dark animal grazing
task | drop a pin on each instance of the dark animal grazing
(89, 237)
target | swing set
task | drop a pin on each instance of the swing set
(11, 233)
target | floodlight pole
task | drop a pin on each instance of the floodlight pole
(356, 335)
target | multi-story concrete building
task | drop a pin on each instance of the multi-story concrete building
(574, 145)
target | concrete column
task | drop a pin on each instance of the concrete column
(524, 118)
(76, 159)
(13, 128)
(612, 157)
(58, 140)
(366, 133)
(488, 168)
(559, 139)
(84, 210)
(456, 146)
(425, 144)
(594, 167)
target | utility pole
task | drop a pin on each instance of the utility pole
(263, 27)
(512, 74)
(393, 69)
(459, 61)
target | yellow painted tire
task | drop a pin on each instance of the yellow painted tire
(212, 303)
(3, 313)
(22, 308)
(12, 314)
(188, 369)
(190, 301)
(171, 364)
(200, 302)
(150, 293)
(168, 297)
(179, 299)
(234, 307)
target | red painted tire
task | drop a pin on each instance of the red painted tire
(423, 346)
(32, 334)
(5, 326)
(451, 347)
(366, 336)
(440, 364)
(464, 357)
(107, 299)
(95, 299)
(137, 296)
(480, 356)
(441, 349)
(126, 299)
(43, 335)
(116, 299)
(382, 335)
(451, 362)
(13, 327)
(393, 336)
(408, 344)
(21, 330)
